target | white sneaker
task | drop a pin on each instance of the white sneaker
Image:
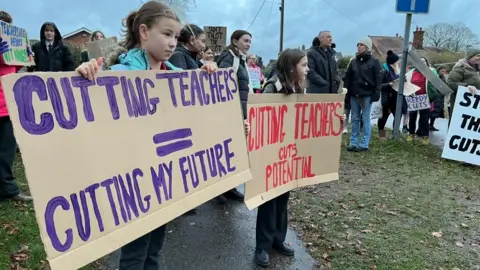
(345, 131)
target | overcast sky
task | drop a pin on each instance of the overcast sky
(349, 20)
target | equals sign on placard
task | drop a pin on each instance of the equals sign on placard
(173, 141)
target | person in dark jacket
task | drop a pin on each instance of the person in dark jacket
(438, 104)
(50, 53)
(272, 216)
(235, 56)
(96, 35)
(190, 44)
(323, 73)
(391, 71)
(363, 81)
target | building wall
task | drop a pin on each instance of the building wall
(79, 39)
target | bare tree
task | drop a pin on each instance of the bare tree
(454, 37)
(181, 7)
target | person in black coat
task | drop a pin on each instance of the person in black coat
(439, 101)
(50, 53)
(190, 44)
(363, 81)
(323, 73)
(235, 55)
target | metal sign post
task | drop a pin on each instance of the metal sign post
(409, 7)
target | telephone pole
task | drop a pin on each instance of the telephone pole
(282, 16)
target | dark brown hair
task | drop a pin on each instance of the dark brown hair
(189, 31)
(236, 35)
(4, 16)
(287, 71)
(148, 14)
(94, 35)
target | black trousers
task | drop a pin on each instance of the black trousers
(272, 222)
(143, 253)
(423, 123)
(8, 148)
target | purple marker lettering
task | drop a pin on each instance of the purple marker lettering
(228, 155)
(170, 77)
(50, 223)
(233, 78)
(212, 163)
(221, 86)
(203, 78)
(107, 185)
(138, 97)
(120, 199)
(183, 88)
(200, 154)
(184, 171)
(128, 103)
(227, 88)
(218, 156)
(193, 173)
(109, 82)
(57, 103)
(158, 180)
(93, 197)
(152, 102)
(128, 196)
(136, 173)
(83, 231)
(212, 79)
(195, 89)
(83, 84)
(169, 170)
(23, 91)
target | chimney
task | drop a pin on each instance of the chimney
(417, 43)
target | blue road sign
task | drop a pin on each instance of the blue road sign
(413, 6)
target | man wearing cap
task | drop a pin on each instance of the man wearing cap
(362, 80)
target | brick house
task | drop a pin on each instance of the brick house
(79, 36)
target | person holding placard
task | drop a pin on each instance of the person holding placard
(235, 56)
(96, 35)
(464, 73)
(191, 43)
(417, 78)
(272, 216)
(150, 40)
(8, 185)
(255, 73)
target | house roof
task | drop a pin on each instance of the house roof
(382, 44)
(83, 29)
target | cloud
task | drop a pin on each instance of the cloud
(349, 21)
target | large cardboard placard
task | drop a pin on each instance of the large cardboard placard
(294, 142)
(216, 38)
(463, 138)
(110, 160)
(17, 39)
(99, 48)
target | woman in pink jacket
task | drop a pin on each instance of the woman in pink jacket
(252, 64)
(8, 146)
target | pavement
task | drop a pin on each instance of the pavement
(220, 237)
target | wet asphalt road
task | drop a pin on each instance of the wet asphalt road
(217, 238)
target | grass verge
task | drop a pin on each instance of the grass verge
(398, 206)
(20, 246)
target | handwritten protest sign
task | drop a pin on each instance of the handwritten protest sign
(216, 38)
(418, 102)
(99, 48)
(294, 141)
(17, 40)
(254, 75)
(463, 138)
(377, 108)
(112, 159)
(408, 88)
